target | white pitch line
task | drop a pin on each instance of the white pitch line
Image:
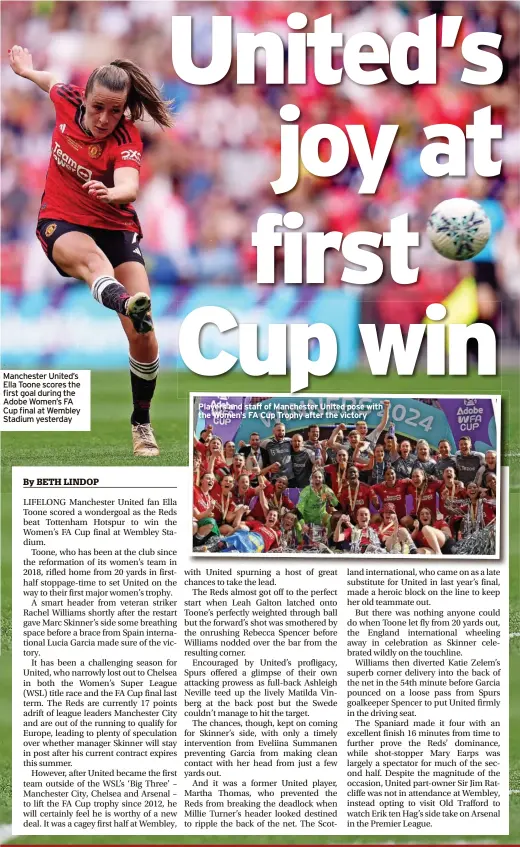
(514, 635)
(6, 833)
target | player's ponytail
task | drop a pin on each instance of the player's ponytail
(143, 96)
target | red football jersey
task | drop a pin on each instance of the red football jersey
(77, 157)
(338, 478)
(201, 501)
(490, 511)
(351, 501)
(395, 495)
(428, 498)
(271, 537)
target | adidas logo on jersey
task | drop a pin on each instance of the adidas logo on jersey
(136, 250)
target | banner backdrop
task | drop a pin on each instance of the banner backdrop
(237, 417)
(472, 417)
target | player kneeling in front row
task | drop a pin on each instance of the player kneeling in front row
(258, 538)
(359, 538)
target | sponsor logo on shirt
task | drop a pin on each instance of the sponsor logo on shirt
(131, 156)
(65, 161)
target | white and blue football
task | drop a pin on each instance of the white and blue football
(458, 228)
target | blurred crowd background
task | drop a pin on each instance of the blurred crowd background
(206, 182)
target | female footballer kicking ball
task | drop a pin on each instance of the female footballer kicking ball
(86, 223)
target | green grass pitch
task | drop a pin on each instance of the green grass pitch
(109, 443)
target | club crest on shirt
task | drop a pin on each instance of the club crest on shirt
(49, 230)
(94, 151)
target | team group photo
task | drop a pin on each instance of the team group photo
(280, 475)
